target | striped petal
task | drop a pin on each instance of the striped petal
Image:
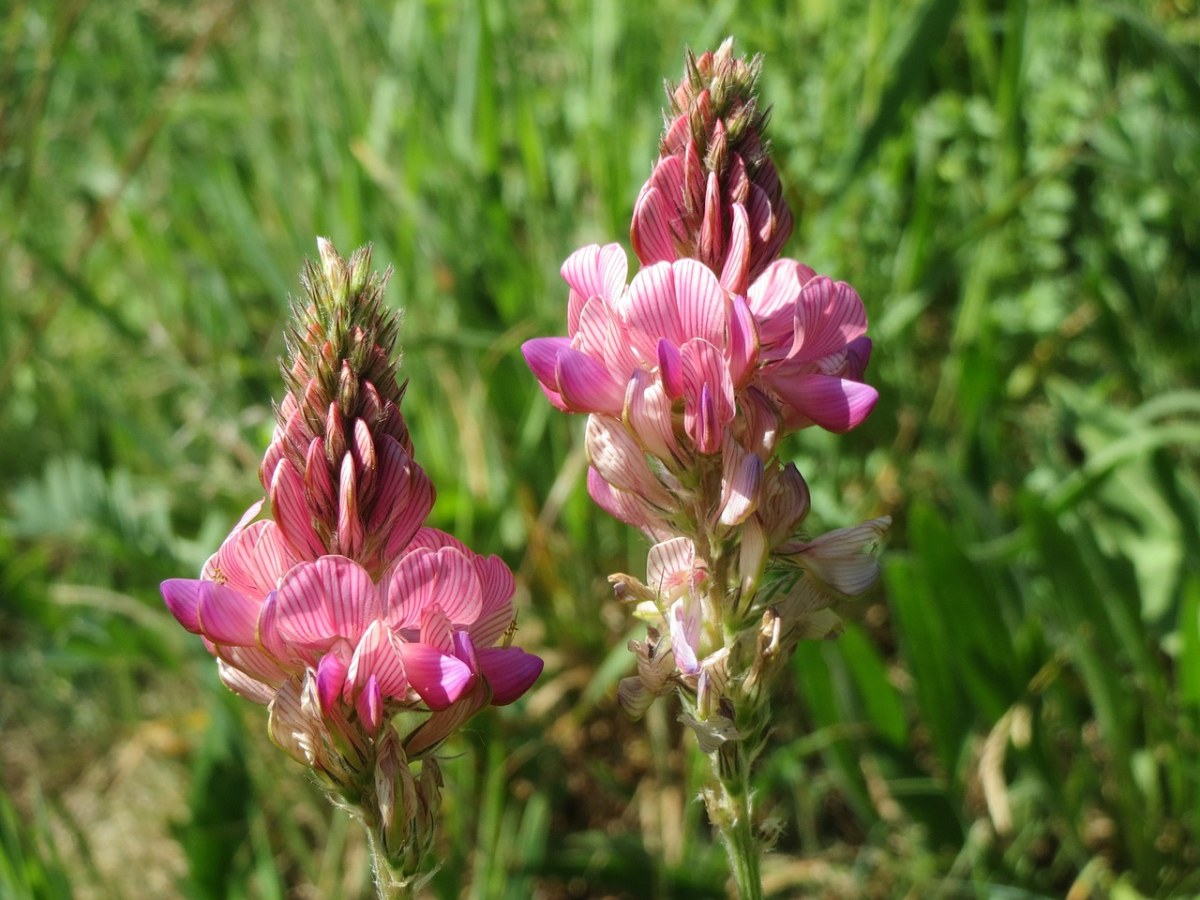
(226, 616)
(319, 602)
(424, 578)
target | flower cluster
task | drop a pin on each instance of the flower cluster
(691, 374)
(341, 609)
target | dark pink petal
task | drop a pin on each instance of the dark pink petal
(743, 341)
(585, 385)
(226, 616)
(319, 602)
(670, 369)
(735, 274)
(829, 316)
(835, 404)
(370, 706)
(439, 678)
(712, 236)
(319, 491)
(509, 671)
(703, 305)
(404, 496)
(291, 512)
(331, 679)
(858, 355)
(349, 524)
(365, 463)
(541, 355)
(182, 596)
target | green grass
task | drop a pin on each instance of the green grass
(1012, 187)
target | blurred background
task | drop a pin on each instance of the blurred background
(1013, 189)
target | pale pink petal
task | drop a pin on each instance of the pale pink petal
(648, 410)
(621, 462)
(319, 490)
(785, 505)
(712, 235)
(845, 559)
(596, 271)
(684, 622)
(244, 685)
(253, 559)
(257, 664)
(438, 677)
(740, 480)
(349, 524)
(708, 394)
(426, 737)
(365, 463)
(835, 404)
(623, 506)
(509, 671)
(498, 586)
(669, 566)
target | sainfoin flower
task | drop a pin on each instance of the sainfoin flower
(341, 609)
(691, 374)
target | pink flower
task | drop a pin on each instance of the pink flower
(674, 335)
(424, 634)
(813, 347)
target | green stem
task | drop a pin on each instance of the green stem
(389, 884)
(730, 811)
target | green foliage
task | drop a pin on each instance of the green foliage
(1012, 188)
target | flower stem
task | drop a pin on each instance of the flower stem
(389, 884)
(729, 808)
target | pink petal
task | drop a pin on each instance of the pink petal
(291, 512)
(742, 341)
(369, 706)
(509, 671)
(404, 496)
(426, 737)
(740, 480)
(703, 304)
(625, 506)
(350, 533)
(669, 566)
(828, 317)
(423, 578)
(835, 404)
(596, 271)
(736, 271)
(182, 596)
(651, 233)
(670, 369)
(712, 237)
(498, 586)
(331, 679)
(376, 656)
(651, 311)
(321, 601)
(708, 395)
(365, 462)
(226, 616)
(541, 355)
(319, 491)
(684, 621)
(845, 559)
(648, 410)
(621, 462)
(439, 678)
(585, 385)
(244, 685)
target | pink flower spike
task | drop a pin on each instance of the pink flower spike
(439, 678)
(331, 679)
(509, 672)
